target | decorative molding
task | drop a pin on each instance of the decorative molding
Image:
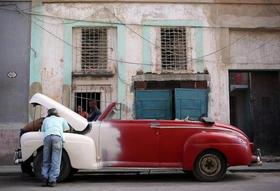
(101, 73)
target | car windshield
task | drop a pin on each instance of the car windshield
(116, 112)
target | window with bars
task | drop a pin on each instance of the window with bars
(93, 48)
(173, 48)
(82, 99)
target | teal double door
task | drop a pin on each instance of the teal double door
(171, 104)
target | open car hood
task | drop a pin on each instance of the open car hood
(77, 122)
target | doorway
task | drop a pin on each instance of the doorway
(255, 107)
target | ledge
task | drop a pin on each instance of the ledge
(99, 73)
(262, 2)
(171, 77)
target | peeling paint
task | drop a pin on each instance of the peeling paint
(66, 92)
(36, 44)
(34, 113)
(107, 142)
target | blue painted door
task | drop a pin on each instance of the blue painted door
(153, 104)
(190, 102)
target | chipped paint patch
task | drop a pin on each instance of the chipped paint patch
(107, 141)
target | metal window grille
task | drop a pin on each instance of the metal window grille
(94, 48)
(83, 98)
(173, 48)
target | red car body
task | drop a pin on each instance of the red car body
(175, 143)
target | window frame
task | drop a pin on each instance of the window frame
(111, 52)
(189, 49)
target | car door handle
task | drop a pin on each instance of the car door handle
(154, 125)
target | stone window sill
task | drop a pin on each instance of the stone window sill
(97, 73)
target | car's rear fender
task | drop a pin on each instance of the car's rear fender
(80, 148)
(235, 149)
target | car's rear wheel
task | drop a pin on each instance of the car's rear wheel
(65, 167)
(210, 166)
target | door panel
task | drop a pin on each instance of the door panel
(172, 138)
(153, 104)
(191, 102)
(137, 143)
(265, 97)
(171, 146)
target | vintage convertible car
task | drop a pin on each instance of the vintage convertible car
(204, 147)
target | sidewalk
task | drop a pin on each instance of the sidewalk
(270, 164)
(11, 169)
(266, 167)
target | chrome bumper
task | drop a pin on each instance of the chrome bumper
(18, 157)
(257, 159)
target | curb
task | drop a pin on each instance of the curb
(11, 174)
(265, 167)
(254, 170)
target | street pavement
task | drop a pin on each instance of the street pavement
(262, 178)
(239, 181)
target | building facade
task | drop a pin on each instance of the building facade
(163, 59)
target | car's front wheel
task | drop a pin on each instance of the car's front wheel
(65, 167)
(26, 168)
(210, 166)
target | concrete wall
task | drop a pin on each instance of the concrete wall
(14, 60)
(214, 32)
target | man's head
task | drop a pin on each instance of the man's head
(79, 108)
(52, 111)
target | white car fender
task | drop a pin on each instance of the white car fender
(29, 143)
(80, 148)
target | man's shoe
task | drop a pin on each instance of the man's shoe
(52, 184)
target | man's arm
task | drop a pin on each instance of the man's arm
(43, 126)
(65, 125)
